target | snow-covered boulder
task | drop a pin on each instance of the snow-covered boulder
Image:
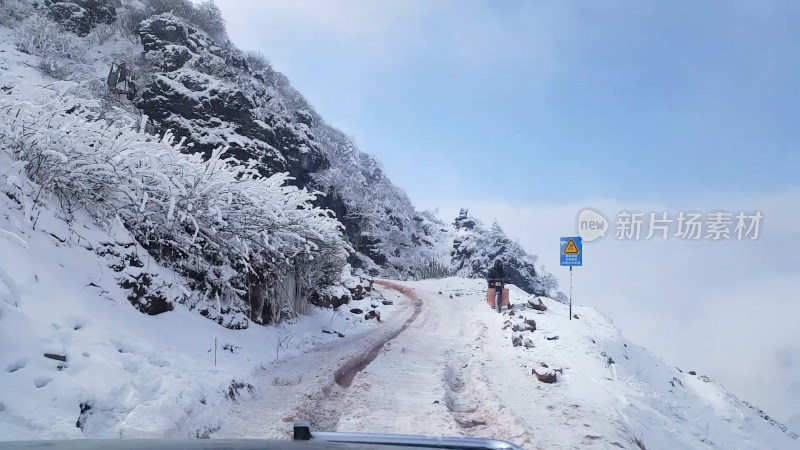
(545, 376)
(80, 16)
(144, 296)
(351, 287)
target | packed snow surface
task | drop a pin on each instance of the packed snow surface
(455, 371)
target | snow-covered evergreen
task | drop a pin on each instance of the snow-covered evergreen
(476, 248)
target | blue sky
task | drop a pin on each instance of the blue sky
(654, 101)
(528, 111)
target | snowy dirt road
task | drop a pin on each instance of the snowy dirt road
(445, 364)
(423, 372)
(312, 386)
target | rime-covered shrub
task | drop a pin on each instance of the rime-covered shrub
(214, 220)
(561, 297)
(14, 11)
(256, 60)
(208, 17)
(183, 8)
(38, 35)
(103, 32)
(55, 67)
(129, 17)
(432, 269)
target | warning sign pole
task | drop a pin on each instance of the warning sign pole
(570, 292)
(571, 249)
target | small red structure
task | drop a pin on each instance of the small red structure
(491, 295)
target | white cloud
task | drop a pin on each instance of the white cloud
(727, 308)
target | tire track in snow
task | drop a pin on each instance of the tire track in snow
(468, 396)
(324, 409)
(304, 387)
(344, 376)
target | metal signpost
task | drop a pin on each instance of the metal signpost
(571, 255)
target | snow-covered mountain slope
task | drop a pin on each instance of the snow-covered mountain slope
(78, 360)
(194, 83)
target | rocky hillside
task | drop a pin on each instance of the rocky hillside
(185, 79)
(215, 95)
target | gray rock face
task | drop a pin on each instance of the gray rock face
(80, 16)
(205, 92)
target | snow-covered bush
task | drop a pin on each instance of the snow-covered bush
(103, 32)
(59, 50)
(55, 67)
(129, 17)
(548, 283)
(256, 60)
(14, 11)
(183, 8)
(38, 35)
(214, 220)
(208, 17)
(433, 269)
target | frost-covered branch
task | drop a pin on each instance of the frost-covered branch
(215, 218)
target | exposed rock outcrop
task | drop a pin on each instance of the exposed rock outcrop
(80, 16)
(206, 92)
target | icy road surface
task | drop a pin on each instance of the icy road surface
(444, 364)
